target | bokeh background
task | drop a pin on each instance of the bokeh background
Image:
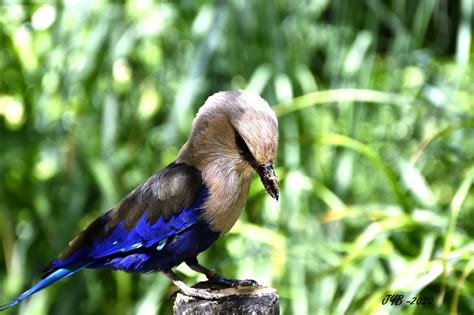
(375, 101)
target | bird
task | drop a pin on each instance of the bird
(177, 213)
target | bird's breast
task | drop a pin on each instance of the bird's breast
(227, 196)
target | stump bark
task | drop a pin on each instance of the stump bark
(238, 300)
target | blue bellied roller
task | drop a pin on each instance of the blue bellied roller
(181, 210)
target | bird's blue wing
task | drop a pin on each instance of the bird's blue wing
(166, 204)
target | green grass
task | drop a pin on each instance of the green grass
(375, 106)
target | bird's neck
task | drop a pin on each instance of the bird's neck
(227, 180)
(228, 192)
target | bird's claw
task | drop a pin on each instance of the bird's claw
(246, 283)
(218, 279)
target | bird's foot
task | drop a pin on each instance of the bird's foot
(218, 279)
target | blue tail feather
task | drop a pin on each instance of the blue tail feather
(50, 279)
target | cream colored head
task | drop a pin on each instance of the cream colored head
(214, 140)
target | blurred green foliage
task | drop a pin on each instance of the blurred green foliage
(375, 102)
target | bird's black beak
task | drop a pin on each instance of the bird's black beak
(269, 179)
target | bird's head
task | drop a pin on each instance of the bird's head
(236, 131)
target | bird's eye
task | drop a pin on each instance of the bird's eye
(244, 149)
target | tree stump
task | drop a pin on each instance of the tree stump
(238, 300)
